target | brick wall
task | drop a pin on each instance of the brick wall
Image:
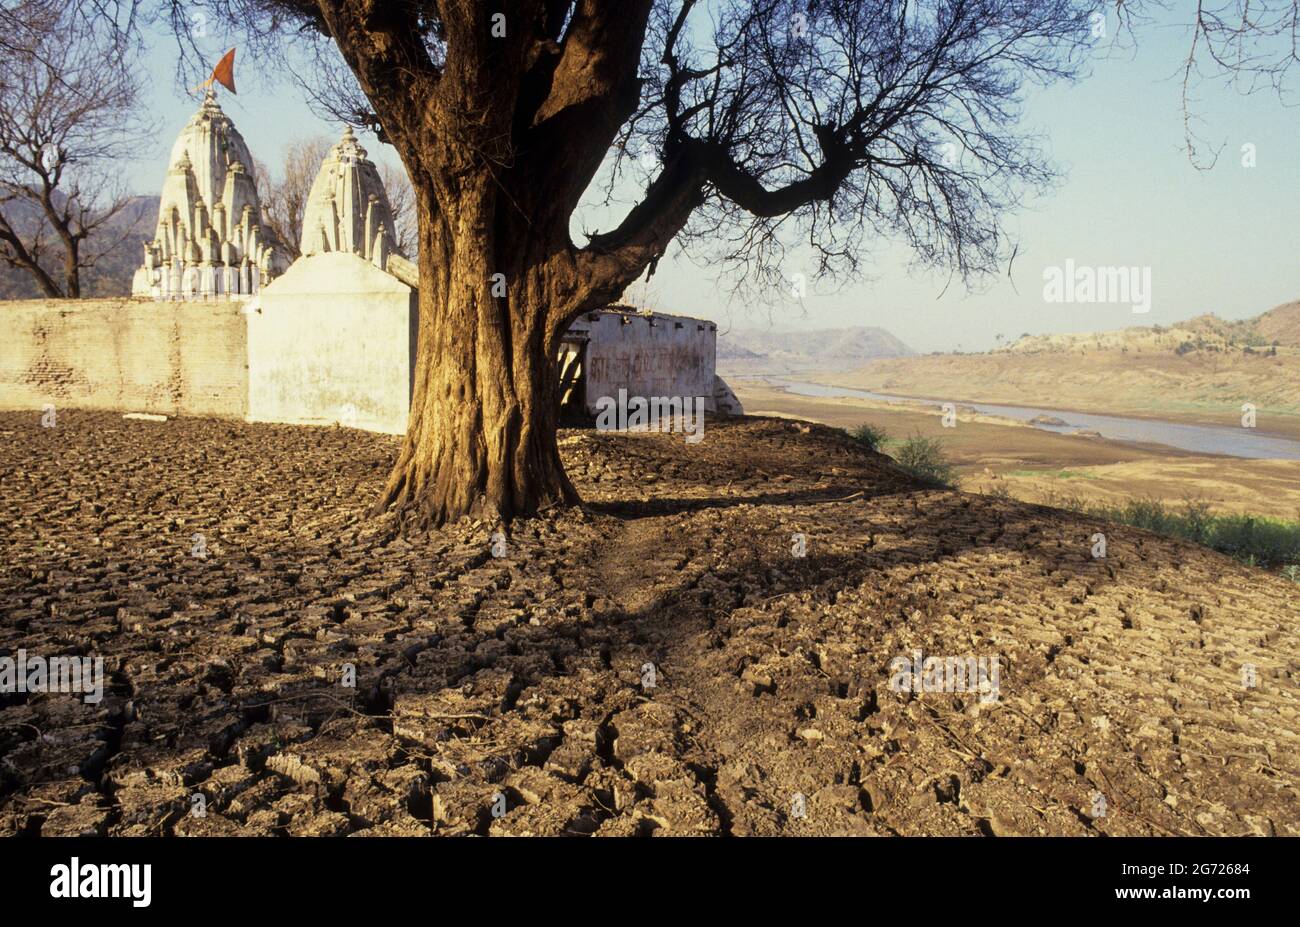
(124, 354)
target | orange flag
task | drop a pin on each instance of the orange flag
(224, 72)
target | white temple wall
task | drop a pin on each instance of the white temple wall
(332, 340)
(659, 355)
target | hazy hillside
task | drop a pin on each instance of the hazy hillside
(1281, 324)
(1204, 333)
(111, 275)
(1204, 368)
(742, 351)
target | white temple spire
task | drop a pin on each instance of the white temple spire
(348, 207)
(209, 216)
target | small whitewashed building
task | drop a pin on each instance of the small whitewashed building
(333, 338)
(645, 353)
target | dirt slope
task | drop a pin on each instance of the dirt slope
(1281, 324)
(520, 682)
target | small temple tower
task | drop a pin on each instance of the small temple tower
(210, 242)
(347, 209)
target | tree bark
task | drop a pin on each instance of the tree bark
(481, 439)
(72, 267)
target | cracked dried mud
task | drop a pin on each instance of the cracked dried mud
(520, 681)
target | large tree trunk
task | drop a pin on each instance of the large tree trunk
(481, 440)
(500, 139)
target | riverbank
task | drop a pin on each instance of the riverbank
(1235, 440)
(1192, 389)
(1001, 456)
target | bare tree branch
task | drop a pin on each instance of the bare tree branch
(68, 116)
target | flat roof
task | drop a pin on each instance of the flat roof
(639, 313)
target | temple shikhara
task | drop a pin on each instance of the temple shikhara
(348, 209)
(210, 242)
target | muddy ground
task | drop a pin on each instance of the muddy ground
(512, 695)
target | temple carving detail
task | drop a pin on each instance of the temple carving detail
(210, 242)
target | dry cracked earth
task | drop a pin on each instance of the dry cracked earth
(511, 695)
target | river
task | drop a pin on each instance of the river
(1200, 439)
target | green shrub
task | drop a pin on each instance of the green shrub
(1197, 521)
(924, 458)
(1252, 539)
(1269, 541)
(873, 436)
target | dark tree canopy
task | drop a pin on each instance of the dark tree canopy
(843, 120)
(765, 83)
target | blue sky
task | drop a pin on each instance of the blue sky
(1222, 240)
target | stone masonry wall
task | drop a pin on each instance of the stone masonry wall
(175, 358)
(292, 355)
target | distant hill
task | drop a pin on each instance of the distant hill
(1281, 324)
(759, 352)
(1205, 333)
(111, 275)
(1203, 368)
